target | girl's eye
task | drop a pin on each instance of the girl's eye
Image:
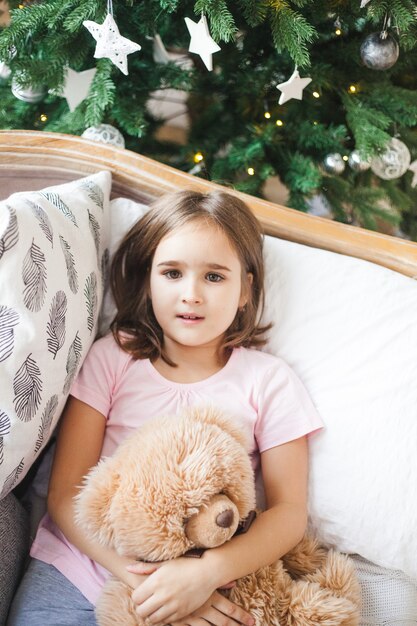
(172, 274)
(214, 278)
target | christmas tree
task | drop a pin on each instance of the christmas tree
(348, 136)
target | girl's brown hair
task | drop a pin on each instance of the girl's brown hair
(135, 327)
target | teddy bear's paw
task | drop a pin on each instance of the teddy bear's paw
(338, 576)
(115, 606)
(305, 558)
(256, 594)
(307, 604)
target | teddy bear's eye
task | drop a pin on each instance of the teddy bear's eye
(189, 513)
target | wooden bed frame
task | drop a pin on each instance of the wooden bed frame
(23, 153)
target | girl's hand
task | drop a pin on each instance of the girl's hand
(218, 611)
(180, 588)
(135, 580)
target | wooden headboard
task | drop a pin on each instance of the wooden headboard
(34, 159)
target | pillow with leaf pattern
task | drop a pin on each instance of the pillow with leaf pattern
(53, 257)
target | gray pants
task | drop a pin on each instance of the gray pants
(46, 598)
(14, 547)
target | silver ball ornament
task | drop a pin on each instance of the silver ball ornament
(334, 163)
(393, 162)
(379, 51)
(28, 94)
(105, 133)
(357, 163)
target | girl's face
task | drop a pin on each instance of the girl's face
(195, 286)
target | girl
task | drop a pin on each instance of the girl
(188, 285)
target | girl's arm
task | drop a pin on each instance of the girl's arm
(281, 526)
(178, 588)
(79, 445)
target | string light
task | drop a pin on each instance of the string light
(43, 117)
(345, 157)
(352, 89)
(279, 123)
(198, 157)
(316, 94)
(251, 171)
(267, 114)
(338, 26)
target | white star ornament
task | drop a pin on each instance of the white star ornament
(201, 43)
(293, 87)
(77, 85)
(110, 43)
(413, 168)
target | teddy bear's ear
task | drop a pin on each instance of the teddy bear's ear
(213, 415)
(93, 502)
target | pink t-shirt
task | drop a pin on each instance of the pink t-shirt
(261, 390)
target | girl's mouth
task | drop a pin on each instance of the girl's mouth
(189, 317)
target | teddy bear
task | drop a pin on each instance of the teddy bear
(183, 483)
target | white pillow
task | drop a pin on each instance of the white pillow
(123, 214)
(348, 328)
(53, 251)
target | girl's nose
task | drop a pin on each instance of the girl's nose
(191, 299)
(191, 294)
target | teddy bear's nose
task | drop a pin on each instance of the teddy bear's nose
(225, 518)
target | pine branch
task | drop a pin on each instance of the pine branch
(101, 95)
(397, 197)
(254, 11)
(302, 175)
(369, 203)
(291, 31)
(84, 10)
(169, 5)
(131, 120)
(400, 105)
(71, 123)
(319, 138)
(222, 23)
(368, 125)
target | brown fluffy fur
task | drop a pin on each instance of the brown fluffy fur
(173, 470)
